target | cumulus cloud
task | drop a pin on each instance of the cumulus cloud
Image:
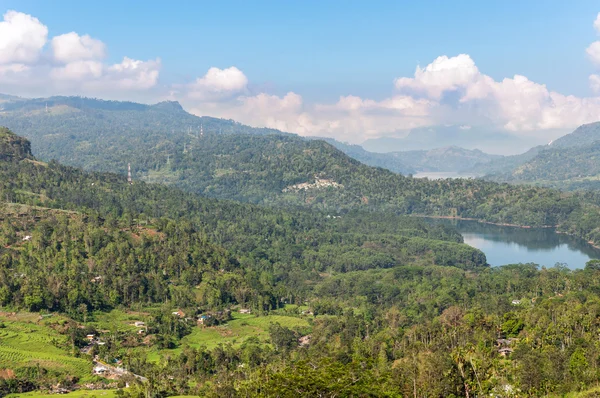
(72, 63)
(593, 51)
(71, 47)
(218, 83)
(134, 74)
(22, 37)
(442, 75)
(517, 103)
(595, 82)
(449, 90)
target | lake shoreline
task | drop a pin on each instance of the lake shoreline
(488, 222)
(544, 235)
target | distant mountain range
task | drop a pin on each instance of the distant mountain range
(570, 162)
(161, 139)
(426, 138)
(446, 159)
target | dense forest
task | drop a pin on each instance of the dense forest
(404, 319)
(261, 166)
(393, 306)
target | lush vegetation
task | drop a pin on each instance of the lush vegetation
(343, 302)
(449, 158)
(568, 163)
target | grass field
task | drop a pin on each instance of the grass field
(117, 319)
(74, 394)
(26, 343)
(235, 332)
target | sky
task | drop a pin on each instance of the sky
(352, 70)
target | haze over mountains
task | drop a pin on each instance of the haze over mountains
(106, 135)
(425, 138)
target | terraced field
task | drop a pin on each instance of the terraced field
(74, 394)
(29, 344)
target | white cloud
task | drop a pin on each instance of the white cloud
(593, 52)
(22, 37)
(595, 82)
(71, 47)
(449, 90)
(442, 75)
(517, 104)
(78, 71)
(218, 83)
(134, 74)
(76, 65)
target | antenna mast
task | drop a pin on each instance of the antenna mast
(129, 173)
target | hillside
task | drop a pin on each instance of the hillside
(505, 164)
(13, 147)
(570, 162)
(583, 135)
(384, 160)
(102, 254)
(90, 133)
(450, 158)
(427, 138)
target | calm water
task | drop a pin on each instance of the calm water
(510, 245)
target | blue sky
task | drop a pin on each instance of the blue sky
(324, 50)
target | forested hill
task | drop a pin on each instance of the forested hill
(385, 160)
(87, 132)
(362, 304)
(570, 162)
(62, 227)
(450, 158)
(269, 169)
(289, 172)
(583, 135)
(13, 147)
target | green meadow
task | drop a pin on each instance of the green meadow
(236, 331)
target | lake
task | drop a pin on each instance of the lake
(511, 245)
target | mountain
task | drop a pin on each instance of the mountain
(234, 299)
(427, 138)
(72, 129)
(384, 160)
(583, 135)
(13, 147)
(570, 162)
(256, 166)
(504, 164)
(450, 158)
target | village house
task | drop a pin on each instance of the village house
(139, 324)
(245, 311)
(179, 313)
(505, 351)
(304, 340)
